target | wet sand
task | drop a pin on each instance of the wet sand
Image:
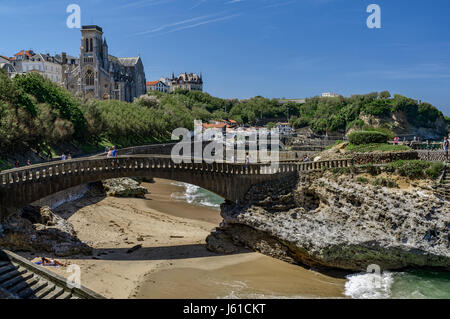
(233, 277)
(173, 261)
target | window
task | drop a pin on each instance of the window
(89, 77)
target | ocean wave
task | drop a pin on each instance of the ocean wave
(369, 285)
(196, 195)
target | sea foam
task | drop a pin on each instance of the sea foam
(369, 285)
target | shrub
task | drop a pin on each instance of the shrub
(416, 169)
(361, 179)
(59, 99)
(358, 123)
(434, 171)
(381, 129)
(270, 125)
(371, 169)
(367, 137)
(299, 122)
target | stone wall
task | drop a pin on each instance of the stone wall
(383, 157)
(438, 155)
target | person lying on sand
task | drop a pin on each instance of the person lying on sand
(50, 262)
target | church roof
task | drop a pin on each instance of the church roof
(129, 61)
(113, 58)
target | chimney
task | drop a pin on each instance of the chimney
(64, 58)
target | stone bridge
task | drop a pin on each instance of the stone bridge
(22, 186)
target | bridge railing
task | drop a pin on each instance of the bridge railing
(132, 163)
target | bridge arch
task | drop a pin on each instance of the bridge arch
(20, 187)
(23, 186)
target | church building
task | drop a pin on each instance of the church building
(99, 75)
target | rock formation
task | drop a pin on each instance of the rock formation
(124, 187)
(334, 221)
(39, 229)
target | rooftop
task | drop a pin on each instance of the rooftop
(28, 53)
(129, 61)
(207, 126)
(92, 27)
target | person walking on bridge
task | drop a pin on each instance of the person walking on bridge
(114, 156)
(445, 146)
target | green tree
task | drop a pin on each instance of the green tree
(385, 95)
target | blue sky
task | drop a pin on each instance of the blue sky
(274, 48)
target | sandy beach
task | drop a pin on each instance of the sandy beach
(173, 261)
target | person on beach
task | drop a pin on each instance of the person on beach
(114, 152)
(445, 146)
(63, 157)
(28, 163)
(69, 157)
(109, 154)
(51, 262)
(106, 149)
(16, 164)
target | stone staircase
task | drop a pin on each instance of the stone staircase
(443, 188)
(21, 279)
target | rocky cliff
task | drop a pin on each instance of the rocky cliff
(334, 221)
(38, 228)
(401, 124)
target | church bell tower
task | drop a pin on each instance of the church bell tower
(91, 59)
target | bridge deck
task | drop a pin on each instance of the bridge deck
(22, 186)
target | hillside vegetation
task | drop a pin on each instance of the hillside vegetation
(343, 114)
(36, 113)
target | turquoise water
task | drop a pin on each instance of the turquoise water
(421, 284)
(416, 284)
(198, 196)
